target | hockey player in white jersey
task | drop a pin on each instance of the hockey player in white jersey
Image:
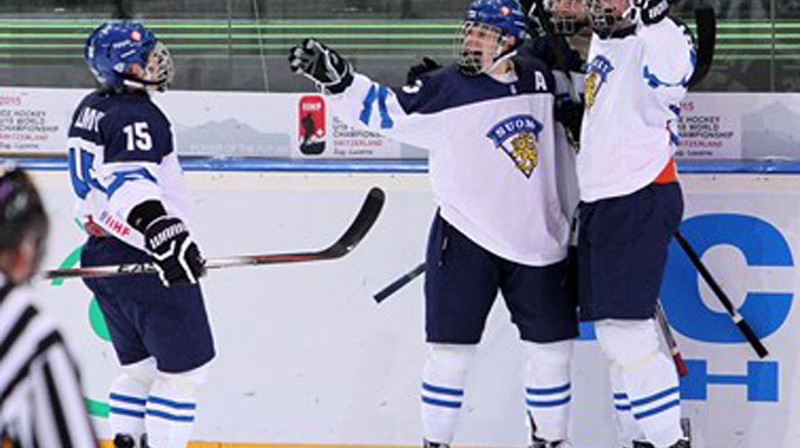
(131, 200)
(639, 64)
(500, 223)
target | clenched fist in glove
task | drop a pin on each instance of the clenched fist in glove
(175, 254)
(322, 65)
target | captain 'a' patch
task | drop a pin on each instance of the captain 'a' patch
(518, 137)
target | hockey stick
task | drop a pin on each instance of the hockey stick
(669, 338)
(706, 21)
(366, 217)
(723, 298)
(391, 288)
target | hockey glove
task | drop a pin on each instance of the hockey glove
(175, 254)
(427, 65)
(331, 72)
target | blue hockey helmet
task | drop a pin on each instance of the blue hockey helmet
(491, 33)
(113, 48)
(506, 15)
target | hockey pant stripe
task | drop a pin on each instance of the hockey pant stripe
(168, 416)
(548, 391)
(128, 399)
(654, 397)
(441, 403)
(657, 410)
(621, 401)
(170, 403)
(126, 412)
(442, 390)
(549, 403)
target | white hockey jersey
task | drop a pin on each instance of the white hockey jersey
(634, 86)
(492, 157)
(121, 153)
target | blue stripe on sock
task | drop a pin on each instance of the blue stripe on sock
(548, 404)
(441, 403)
(657, 410)
(126, 412)
(442, 390)
(654, 397)
(622, 407)
(170, 403)
(127, 399)
(621, 396)
(548, 391)
(168, 416)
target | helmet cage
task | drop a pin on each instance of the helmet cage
(605, 19)
(160, 70)
(480, 48)
(566, 20)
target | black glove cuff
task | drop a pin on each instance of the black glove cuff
(143, 214)
(342, 85)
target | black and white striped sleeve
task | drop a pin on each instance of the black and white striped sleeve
(41, 399)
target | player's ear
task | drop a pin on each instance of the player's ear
(18, 264)
(136, 70)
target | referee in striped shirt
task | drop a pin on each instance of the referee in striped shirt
(41, 401)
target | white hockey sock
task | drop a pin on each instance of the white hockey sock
(655, 400)
(127, 397)
(548, 390)
(126, 401)
(443, 378)
(627, 427)
(648, 375)
(172, 407)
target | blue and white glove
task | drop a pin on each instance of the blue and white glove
(174, 252)
(331, 72)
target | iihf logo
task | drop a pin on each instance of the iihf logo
(598, 71)
(311, 134)
(518, 136)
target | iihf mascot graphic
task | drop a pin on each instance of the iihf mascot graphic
(312, 125)
(517, 137)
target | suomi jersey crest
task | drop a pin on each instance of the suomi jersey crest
(518, 137)
(596, 77)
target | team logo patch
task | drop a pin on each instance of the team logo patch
(518, 137)
(597, 76)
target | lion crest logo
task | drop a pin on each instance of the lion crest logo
(518, 138)
(596, 76)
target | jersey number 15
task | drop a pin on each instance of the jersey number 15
(138, 137)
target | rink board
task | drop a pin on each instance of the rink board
(307, 358)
